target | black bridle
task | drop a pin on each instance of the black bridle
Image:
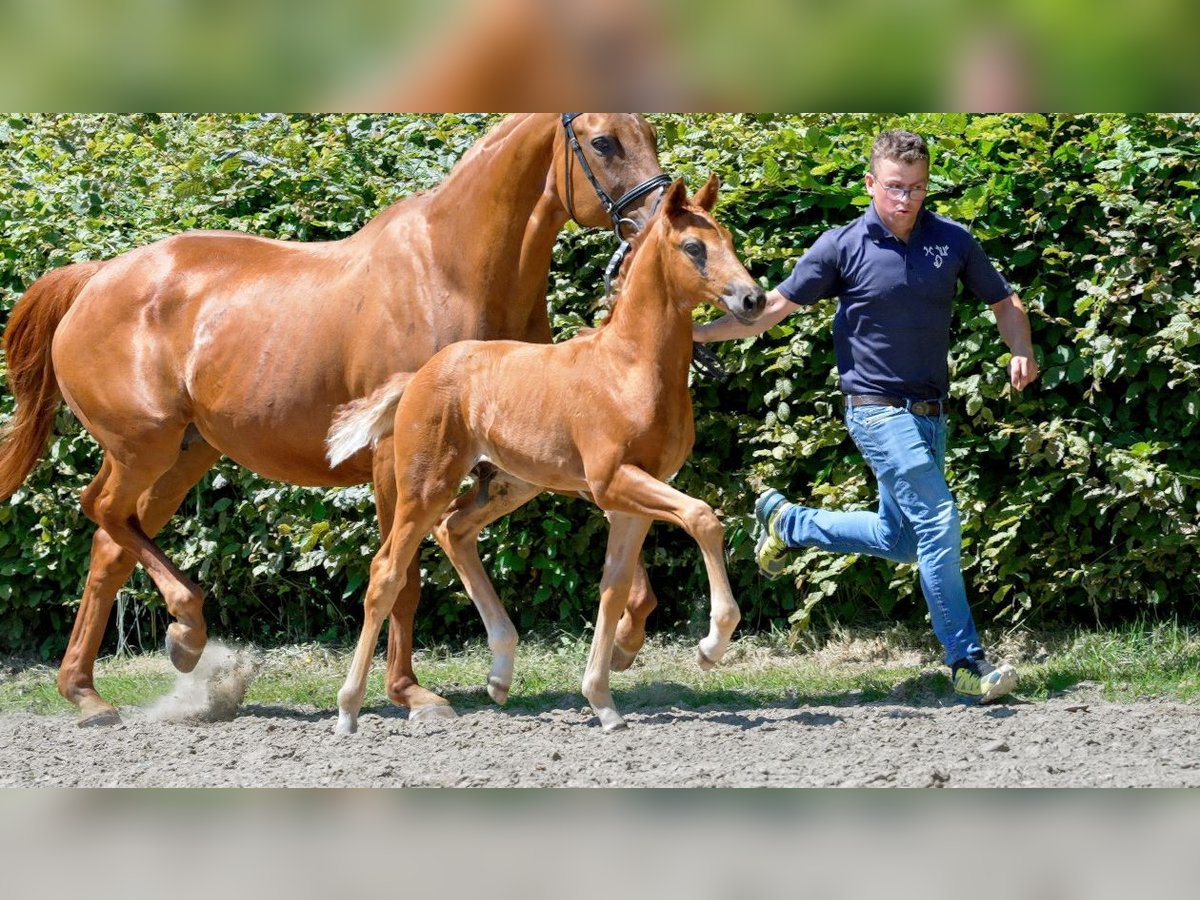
(704, 360)
(614, 208)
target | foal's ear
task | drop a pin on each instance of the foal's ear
(706, 197)
(675, 199)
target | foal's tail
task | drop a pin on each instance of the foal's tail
(365, 422)
(31, 371)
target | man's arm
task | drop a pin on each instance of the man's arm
(727, 327)
(1013, 323)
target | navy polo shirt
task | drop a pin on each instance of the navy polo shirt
(892, 328)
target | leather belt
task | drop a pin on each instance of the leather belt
(916, 407)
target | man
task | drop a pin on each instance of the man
(894, 271)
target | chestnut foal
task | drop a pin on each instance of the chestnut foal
(606, 415)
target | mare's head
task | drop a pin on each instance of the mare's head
(697, 256)
(606, 170)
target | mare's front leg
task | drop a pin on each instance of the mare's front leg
(458, 535)
(634, 491)
(402, 686)
(625, 536)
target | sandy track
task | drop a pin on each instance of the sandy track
(1074, 741)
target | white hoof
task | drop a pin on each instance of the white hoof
(610, 720)
(497, 691)
(346, 724)
(432, 712)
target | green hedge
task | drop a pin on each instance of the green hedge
(1079, 497)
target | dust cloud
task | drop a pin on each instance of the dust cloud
(213, 691)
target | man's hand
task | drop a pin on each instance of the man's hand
(1013, 323)
(1022, 370)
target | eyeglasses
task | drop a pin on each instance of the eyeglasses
(899, 193)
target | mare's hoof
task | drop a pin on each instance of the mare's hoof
(182, 657)
(703, 661)
(101, 718)
(432, 712)
(497, 691)
(621, 659)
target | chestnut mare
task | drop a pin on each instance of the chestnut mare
(607, 415)
(219, 343)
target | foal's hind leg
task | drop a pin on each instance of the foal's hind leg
(421, 496)
(458, 535)
(388, 574)
(400, 679)
(108, 570)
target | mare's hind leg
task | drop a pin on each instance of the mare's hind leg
(458, 535)
(401, 681)
(108, 570)
(631, 630)
(634, 491)
(625, 536)
(115, 508)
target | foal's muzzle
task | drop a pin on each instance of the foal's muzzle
(746, 302)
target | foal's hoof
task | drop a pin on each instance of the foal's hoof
(432, 712)
(182, 657)
(610, 720)
(703, 661)
(497, 691)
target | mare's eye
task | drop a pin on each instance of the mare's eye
(602, 145)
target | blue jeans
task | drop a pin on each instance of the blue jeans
(917, 520)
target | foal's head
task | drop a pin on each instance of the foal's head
(697, 255)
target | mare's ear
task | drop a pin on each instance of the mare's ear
(706, 197)
(675, 199)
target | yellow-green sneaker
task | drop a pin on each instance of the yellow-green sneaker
(980, 680)
(770, 552)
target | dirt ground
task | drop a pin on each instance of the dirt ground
(1072, 741)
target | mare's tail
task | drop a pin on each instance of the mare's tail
(31, 371)
(365, 422)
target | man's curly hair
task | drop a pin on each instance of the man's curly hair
(899, 146)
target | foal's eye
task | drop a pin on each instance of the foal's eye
(694, 249)
(602, 145)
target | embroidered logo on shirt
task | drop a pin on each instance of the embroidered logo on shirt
(939, 252)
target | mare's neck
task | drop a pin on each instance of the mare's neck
(497, 216)
(486, 235)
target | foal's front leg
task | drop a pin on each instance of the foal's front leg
(625, 536)
(634, 491)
